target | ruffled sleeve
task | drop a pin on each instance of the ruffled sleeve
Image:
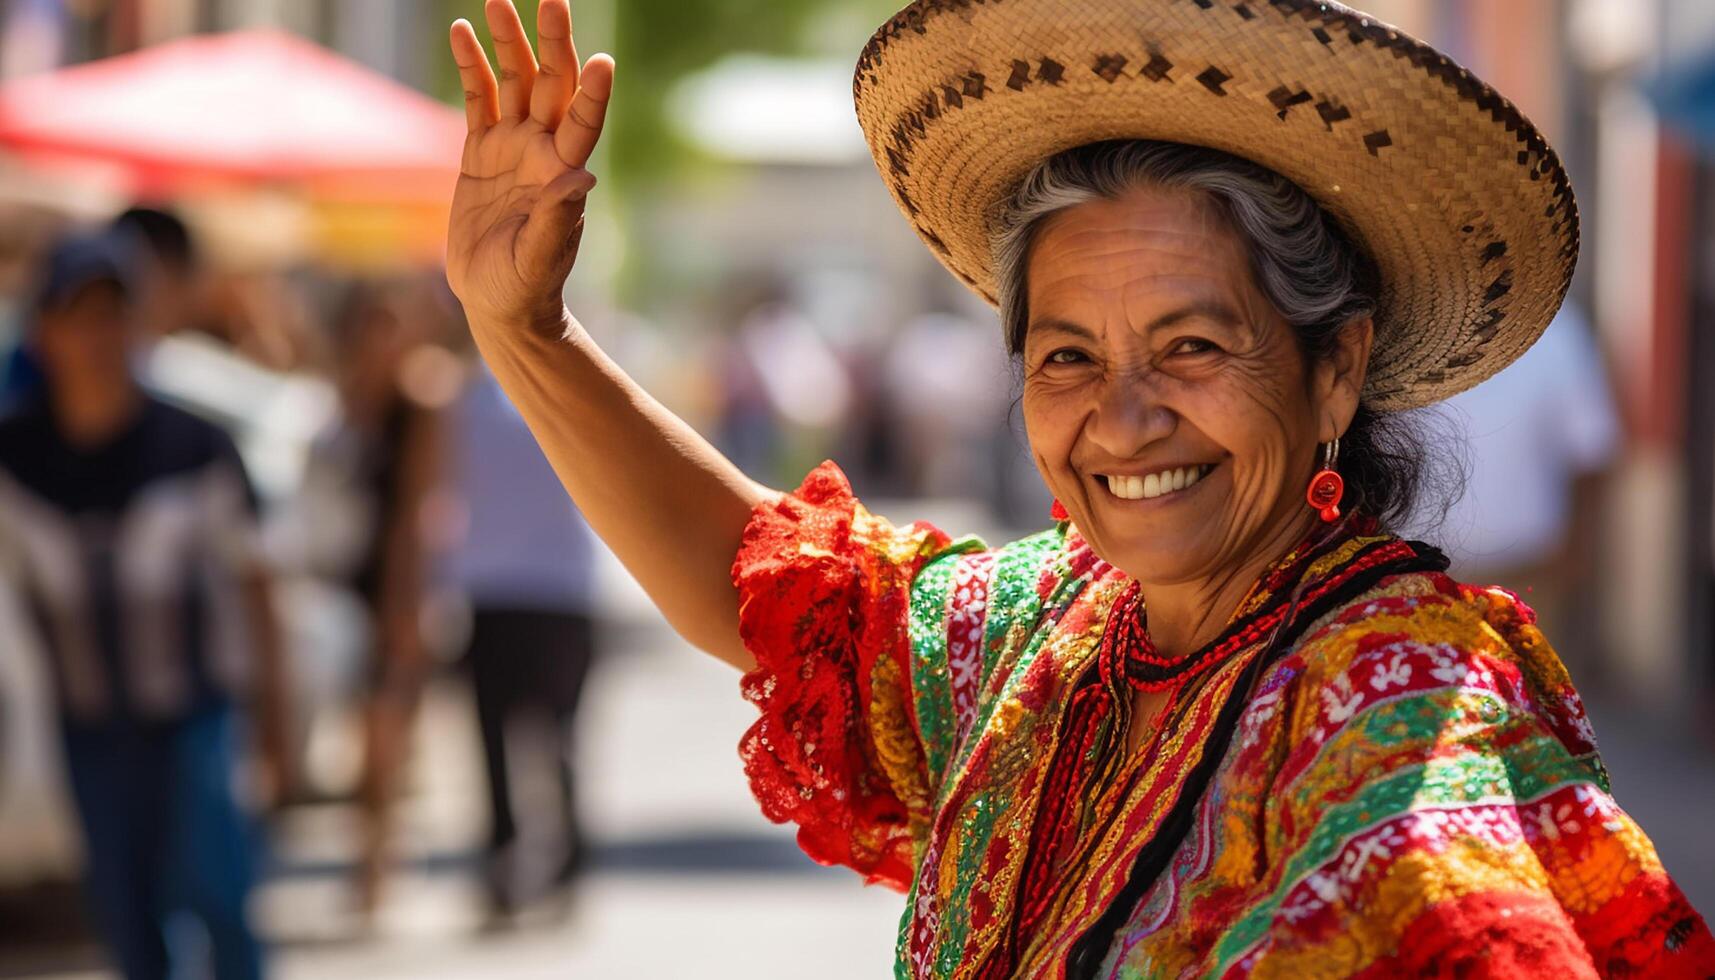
(825, 593)
(1442, 811)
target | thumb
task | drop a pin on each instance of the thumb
(548, 242)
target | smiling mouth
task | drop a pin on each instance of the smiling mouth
(1156, 484)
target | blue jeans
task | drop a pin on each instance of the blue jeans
(163, 834)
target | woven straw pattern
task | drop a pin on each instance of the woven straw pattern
(1463, 205)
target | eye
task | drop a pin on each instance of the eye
(1193, 345)
(1066, 355)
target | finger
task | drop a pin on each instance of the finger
(557, 78)
(576, 138)
(548, 242)
(517, 63)
(481, 93)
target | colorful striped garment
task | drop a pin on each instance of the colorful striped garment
(1397, 779)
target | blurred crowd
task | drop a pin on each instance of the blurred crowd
(149, 566)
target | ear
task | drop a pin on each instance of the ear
(1340, 378)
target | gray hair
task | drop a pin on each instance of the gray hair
(1314, 276)
(1317, 278)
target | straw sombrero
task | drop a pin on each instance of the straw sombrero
(1462, 204)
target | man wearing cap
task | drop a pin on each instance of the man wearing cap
(129, 529)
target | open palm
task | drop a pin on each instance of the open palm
(518, 210)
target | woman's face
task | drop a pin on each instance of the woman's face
(1169, 406)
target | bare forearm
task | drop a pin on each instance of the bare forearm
(665, 501)
(404, 564)
(668, 503)
(273, 688)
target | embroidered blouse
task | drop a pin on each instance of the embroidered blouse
(1387, 773)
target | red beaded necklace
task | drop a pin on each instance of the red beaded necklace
(1128, 652)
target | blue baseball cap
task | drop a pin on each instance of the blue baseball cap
(80, 261)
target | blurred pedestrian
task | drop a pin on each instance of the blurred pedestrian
(384, 449)
(785, 389)
(130, 529)
(949, 419)
(526, 564)
(1543, 436)
(174, 297)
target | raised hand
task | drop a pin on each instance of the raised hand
(517, 214)
(668, 504)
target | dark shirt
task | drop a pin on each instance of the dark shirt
(131, 558)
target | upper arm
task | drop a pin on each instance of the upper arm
(403, 552)
(422, 453)
(832, 610)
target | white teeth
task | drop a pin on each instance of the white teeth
(1155, 484)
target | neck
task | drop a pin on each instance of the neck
(1186, 616)
(89, 413)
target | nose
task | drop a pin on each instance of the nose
(1129, 414)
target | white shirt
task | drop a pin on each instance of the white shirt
(1545, 420)
(525, 543)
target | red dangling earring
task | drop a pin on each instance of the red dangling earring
(1058, 513)
(1326, 487)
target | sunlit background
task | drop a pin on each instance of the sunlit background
(744, 262)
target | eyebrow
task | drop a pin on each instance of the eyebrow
(1205, 309)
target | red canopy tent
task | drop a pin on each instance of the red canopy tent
(251, 105)
(374, 159)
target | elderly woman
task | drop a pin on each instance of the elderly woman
(1217, 720)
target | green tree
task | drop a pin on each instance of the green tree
(657, 43)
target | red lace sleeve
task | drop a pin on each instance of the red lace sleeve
(824, 591)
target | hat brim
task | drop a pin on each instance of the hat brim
(1460, 202)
